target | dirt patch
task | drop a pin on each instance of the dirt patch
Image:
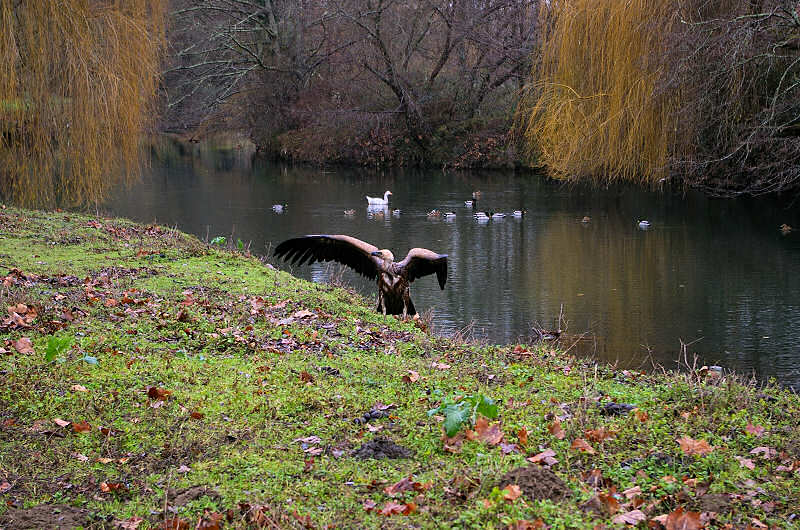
(45, 516)
(714, 502)
(382, 447)
(185, 496)
(536, 483)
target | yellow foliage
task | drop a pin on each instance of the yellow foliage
(595, 109)
(76, 88)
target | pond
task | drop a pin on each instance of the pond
(715, 275)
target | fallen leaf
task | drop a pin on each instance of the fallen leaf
(60, 422)
(489, 434)
(81, 426)
(196, 415)
(82, 457)
(746, 462)
(369, 505)
(4, 487)
(392, 508)
(23, 345)
(184, 469)
(174, 523)
(302, 313)
(308, 440)
(632, 517)
(306, 377)
(755, 430)
(556, 430)
(694, 447)
(411, 377)
(680, 520)
(522, 524)
(158, 394)
(545, 457)
(440, 366)
(765, 452)
(522, 436)
(107, 487)
(511, 492)
(78, 388)
(632, 492)
(583, 445)
(641, 415)
(598, 435)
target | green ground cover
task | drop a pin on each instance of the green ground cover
(150, 380)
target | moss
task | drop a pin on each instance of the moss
(252, 376)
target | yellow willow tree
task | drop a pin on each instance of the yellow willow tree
(76, 87)
(596, 108)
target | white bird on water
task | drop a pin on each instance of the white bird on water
(278, 208)
(378, 200)
(644, 225)
(468, 204)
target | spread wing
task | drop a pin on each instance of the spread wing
(346, 250)
(420, 262)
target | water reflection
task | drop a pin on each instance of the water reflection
(718, 273)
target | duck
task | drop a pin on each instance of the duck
(377, 214)
(396, 212)
(586, 219)
(349, 213)
(481, 216)
(476, 194)
(278, 208)
(644, 225)
(468, 204)
(378, 200)
(518, 213)
(498, 215)
(449, 215)
(785, 229)
(434, 213)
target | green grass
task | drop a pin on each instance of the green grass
(255, 359)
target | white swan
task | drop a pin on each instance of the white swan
(378, 200)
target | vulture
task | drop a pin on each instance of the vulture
(394, 278)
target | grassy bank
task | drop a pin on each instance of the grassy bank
(149, 380)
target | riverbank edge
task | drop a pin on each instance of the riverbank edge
(194, 385)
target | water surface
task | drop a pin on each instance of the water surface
(715, 274)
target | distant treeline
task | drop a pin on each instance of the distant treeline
(367, 82)
(705, 93)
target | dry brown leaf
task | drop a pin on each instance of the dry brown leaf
(60, 422)
(680, 520)
(78, 388)
(694, 447)
(546, 457)
(583, 445)
(81, 426)
(489, 434)
(556, 430)
(755, 430)
(23, 345)
(511, 492)
(411, 377)
(632, 517)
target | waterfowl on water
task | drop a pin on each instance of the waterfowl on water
(278, 208)
(468, 204)
(586, 219)
(349, 213)
(518, 213)
(644, 224)
(434, 214)
(498, 215)
(449, 215)
(476, 194)
(396, 212)
(378, 200)
(785, 229)
(394, 278)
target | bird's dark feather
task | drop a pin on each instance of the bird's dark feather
(346, 250)
(421, 262)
